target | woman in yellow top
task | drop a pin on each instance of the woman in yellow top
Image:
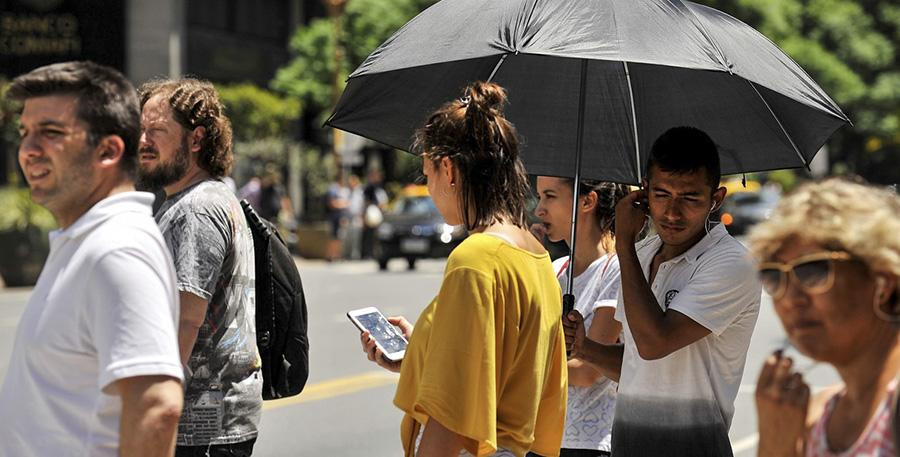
(485, 370)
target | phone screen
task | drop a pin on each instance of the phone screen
(387, 336)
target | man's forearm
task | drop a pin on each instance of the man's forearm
(645, 319)
(607, 359)
(193, 313)
(187, 337)
(150, 414)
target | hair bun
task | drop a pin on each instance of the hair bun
(486, 96)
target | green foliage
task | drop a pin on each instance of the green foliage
(787, 179)
(310, 75)
(268, 150)
(258, 113)
(20, 211)
(852, 49)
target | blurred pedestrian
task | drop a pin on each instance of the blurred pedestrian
(375, 201)
(484, 373)
(355, 210)
(338, 203)
(94, 368)
(250, 191)
(592, 396)
(688, 306)
(830, 258)
(186, 149)
(270, 194)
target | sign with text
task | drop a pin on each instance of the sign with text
(40, 32)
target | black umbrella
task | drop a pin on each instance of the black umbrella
(602, 76)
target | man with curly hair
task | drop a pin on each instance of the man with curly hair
(185, 150)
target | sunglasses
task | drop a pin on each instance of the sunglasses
(813, 273)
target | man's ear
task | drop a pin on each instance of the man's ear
(718, 197)
(110, 150)
(195, 142)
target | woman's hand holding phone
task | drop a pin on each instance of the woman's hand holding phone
(375, 354)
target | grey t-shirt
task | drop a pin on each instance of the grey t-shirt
(212, 247)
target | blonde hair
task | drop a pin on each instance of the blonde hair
(861, 219)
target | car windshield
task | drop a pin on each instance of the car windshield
(415, 206)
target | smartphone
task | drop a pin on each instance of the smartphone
(387, 337)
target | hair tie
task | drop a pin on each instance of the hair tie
(464, 100)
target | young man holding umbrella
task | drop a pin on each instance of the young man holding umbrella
(688, 306)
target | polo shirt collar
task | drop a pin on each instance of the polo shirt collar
(696, 251)
(125, 202)
(693, 254)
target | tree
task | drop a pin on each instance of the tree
(257, 113)
(850, 47)
(263, 123)
(366, 24)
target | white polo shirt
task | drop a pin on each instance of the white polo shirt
(683, 403)
(104, 309)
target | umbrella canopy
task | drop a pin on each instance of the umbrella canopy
(603, 76)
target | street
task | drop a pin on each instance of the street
(346, 408)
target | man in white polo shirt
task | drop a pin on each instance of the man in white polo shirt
(688, 305)
(95, 369)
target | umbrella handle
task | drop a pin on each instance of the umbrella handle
(568, 304)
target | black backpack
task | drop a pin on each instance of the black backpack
(281, 318)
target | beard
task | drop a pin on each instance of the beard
(166, 172)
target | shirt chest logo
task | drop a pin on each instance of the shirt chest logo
(670, 295)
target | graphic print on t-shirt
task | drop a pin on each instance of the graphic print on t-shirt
(212, 248)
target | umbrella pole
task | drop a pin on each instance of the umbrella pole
(568, 297)
(637, 145)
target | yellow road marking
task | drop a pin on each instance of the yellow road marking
(336, 387)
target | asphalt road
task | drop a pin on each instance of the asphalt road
(346, 408)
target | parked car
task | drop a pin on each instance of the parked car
(414, 229)
(744, 209)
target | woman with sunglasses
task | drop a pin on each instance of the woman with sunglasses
(485, 370)
(830, 258)
(592, 396)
